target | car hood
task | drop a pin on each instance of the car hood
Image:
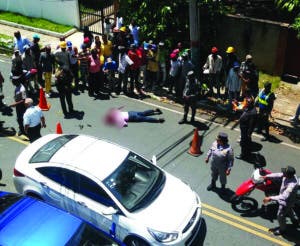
(172, 209)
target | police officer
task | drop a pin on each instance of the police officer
(33, 120)
(265, 101)
(190, 94)
(221, 155)
(247, 124)
(19, 96)
(286, 198)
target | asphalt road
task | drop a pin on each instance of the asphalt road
(170, 143)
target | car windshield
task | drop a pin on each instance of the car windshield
(8, 200)
(45, 153)
(135, 182)
(88, 235)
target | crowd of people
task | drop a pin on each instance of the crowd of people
(118, 62)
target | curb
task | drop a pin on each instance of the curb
(38, 30)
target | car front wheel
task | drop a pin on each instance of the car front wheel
(135, 241)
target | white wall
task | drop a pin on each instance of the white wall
(60, 11)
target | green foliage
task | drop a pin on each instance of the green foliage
(290, 5)
(34, 22)
(167, 20)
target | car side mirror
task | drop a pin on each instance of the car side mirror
(154, 160)
(109, 211)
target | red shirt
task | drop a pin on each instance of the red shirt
(135, 58)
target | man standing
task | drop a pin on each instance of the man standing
(221, 155)
(47, 64)
(64, 86)
(20, 42)
(19, 96)
(190, 94)
(286, 198)
(247, 124)
(265, 103)
(33, 120)
(214, 66)
(233, 84)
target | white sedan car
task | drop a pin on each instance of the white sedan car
(112, 187)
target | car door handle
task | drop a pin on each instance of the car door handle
(81, 203)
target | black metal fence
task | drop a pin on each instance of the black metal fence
(93, 12)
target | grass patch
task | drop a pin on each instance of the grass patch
(6, 41)
(34, 22)
(263, 77)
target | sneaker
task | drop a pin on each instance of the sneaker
(278, 232)
(158, 111)
(182, 121)
(47, 95)
(161, 120)
(211, 187)
(292, 118)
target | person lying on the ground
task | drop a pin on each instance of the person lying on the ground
(116, 117)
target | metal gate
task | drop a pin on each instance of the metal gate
(93, 12)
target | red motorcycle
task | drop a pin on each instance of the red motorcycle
(241, 200)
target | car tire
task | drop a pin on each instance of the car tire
(135, 241)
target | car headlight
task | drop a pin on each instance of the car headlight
(163, 237)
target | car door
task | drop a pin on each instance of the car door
(50, 181)
(59, 186)
(92, 202)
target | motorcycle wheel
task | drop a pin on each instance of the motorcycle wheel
(245, 205)
(235, 199)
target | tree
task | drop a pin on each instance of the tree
(159, 20)
(292, 6)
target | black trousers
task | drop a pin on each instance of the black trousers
(34, 133)
(63, 97)
(245, 142)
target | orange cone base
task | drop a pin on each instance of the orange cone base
(45, 107)
(195, 154)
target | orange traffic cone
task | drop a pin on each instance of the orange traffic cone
(196, 144)
(58, 128)
(43, 103)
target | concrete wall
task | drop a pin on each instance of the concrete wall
(266, 41)
(60, 11)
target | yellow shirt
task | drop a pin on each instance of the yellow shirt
(107, 48)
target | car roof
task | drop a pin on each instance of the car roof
(32, 222)
(96, 156)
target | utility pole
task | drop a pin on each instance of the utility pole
(194, 14)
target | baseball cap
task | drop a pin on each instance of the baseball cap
(222, 136)
(236, 65)
(248, 57)
(69, 44)
(63, 44)
(36, 36)
(214, 50)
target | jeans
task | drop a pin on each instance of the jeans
(135, 116)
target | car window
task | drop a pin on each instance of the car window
(135, 182)
(62, 176)
(88, 235)
(45, 153)
(92, 190)
(8, 200)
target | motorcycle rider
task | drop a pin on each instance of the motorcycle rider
(286, 198)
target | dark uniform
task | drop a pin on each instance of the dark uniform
(64, 80)
(247, 124)
(265, 103)
(190, 95)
